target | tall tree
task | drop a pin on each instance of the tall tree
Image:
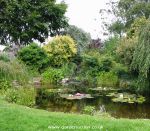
(125, 12)
(22, 21)
(141, 56)
(82, 38)
(129, 10)
(116, 28)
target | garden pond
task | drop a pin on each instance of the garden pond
(116, 102)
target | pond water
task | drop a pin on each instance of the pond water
(51, 100)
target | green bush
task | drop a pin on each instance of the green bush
(34, 56)
(89, 61)
(108, 79)
(110, 45)
(89, 110)
(4, 84)
(119, 69)
(60, 50)
(4, 57)
(126, 49)
(77, 59)
(14, 70)
(52, 75)
(106, 63)
(89, 66)
(87, 79)
(22, 96)
(69, 69)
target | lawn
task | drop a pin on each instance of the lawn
(20, 118)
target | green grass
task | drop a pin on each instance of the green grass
(20, 118)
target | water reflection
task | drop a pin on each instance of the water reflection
(50, 100)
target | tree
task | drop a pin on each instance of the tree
(116, 28)
(34, 56)
(125, 12)
(23, 21)
(82, 38)
(129, 10)
(141, 56)
(60, 50)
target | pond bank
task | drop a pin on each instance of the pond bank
(13, 115)
(66, 99)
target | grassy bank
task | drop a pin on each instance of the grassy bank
(19, 118)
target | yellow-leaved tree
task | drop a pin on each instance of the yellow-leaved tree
(61, 49)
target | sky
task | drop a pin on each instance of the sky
(85, 14)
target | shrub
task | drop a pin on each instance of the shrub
(4, 57)
(106, 63)
(52, 75)
(23, 96)
(119, 69)
(88, 110)
(4, 84)
(14, 70)
(87, 79)
(108, 79)
(60, 50)
(137, 25)
(34, 56)
(126, 49)
(94, 59)
(110, 45)
(77, 59)
(89, 65)
(69, 69)
(89, 61)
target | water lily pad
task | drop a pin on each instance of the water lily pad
(104, 89)
(126, 97)
(74, 97)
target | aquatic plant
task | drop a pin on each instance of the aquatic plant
(126, 97)
(76, 96)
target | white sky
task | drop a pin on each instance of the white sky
(85, 14)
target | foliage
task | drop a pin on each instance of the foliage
(136, 26)
(116, 28)
(129, 10)
(4, 57)
(89, 61)
(106, 63)
(77, 59)
(126, 49)
(88, 68)
(60, 50)
(23, 21)
(108, 79)
(95, 60)
(14, 70)
(119, 69)
(69, 69)
(89, 110)
(82, 38)
(22, 96)
(110, 45)
(4, 84)
(52, 75)
(87, 78)
(34, 56)
(141, 56)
